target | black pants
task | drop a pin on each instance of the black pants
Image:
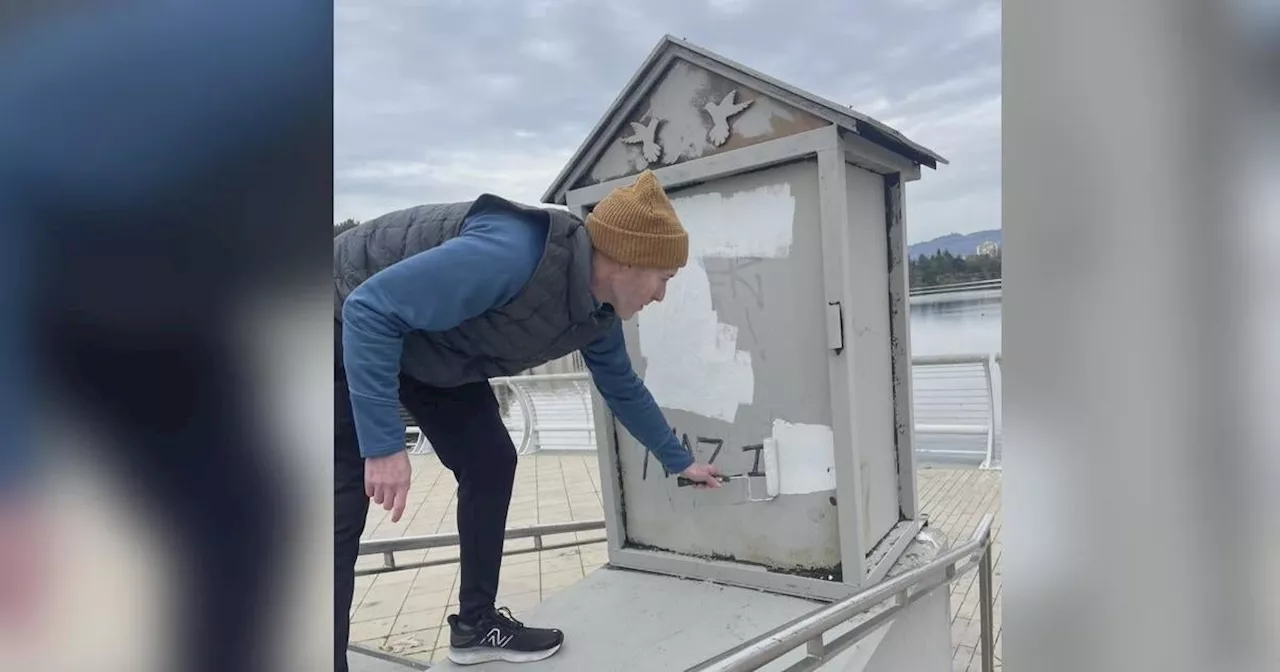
(465, 428)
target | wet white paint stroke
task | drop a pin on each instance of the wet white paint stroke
(806, 457)
(692, 360)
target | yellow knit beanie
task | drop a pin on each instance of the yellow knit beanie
(636, 225)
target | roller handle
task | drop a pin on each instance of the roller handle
(683, 482)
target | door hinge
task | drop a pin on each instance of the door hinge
(835, 326)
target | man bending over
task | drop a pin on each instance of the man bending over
(432, 302)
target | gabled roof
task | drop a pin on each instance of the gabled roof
(670, 47)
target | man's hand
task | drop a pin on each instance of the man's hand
(705, 474)
(386, 481)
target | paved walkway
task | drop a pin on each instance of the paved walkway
(955, 501)
(403, 612)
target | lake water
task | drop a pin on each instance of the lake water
(956, 323)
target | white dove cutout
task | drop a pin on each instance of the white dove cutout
(645, 136)
(720, 113)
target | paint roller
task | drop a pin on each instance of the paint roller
(769, 458)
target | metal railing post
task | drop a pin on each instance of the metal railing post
(531, 442)
(986, 380)
(985, 610)
(387, 548)
(803, 631)
(991, 413)
(996, 366)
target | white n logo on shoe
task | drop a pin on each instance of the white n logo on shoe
(494, 638)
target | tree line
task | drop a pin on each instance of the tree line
(343, 226)
(944, 268)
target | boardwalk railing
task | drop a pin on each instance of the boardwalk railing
(543, 412)
(880, 602)
(883, 601)
(976, 285)
(954, 397)
(388, 548)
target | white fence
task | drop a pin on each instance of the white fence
(956, 405)
(545, 412)
(957, 408)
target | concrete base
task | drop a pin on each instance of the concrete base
(619, 619)
(624, 620)
(919, 638)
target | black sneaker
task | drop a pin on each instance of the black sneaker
(499, 636)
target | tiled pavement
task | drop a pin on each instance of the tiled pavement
(955, 501)
(403, 612)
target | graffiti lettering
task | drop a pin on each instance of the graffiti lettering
(755, 464)
(737, 273)
(716, 444)
(735, 277)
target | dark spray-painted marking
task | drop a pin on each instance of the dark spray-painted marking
(718, 443)
(755, 464)
(733, 275)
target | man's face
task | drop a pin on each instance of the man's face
(635, 288)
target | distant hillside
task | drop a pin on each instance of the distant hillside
(956, 243)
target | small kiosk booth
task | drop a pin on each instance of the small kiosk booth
(781, 353)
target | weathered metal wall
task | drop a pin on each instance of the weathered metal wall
(870, 346)
(735, 353)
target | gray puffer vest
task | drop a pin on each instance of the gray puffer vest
(552, 316)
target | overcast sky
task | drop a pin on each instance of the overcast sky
(435, 101)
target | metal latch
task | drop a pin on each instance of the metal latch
(835, 326)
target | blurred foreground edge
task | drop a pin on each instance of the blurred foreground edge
(165, 171)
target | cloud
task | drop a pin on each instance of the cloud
(729, 6)
(982, 23)
(375, 187)
(437, 101)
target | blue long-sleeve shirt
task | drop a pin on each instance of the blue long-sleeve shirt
(406, 296)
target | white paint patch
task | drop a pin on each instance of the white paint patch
(806, 457)
(692, 360)
(754, 223)
(619, 159)
(757, 121)
(684, 133)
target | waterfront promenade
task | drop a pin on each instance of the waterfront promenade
(403, 612)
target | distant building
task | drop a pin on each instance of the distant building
(989, 248)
